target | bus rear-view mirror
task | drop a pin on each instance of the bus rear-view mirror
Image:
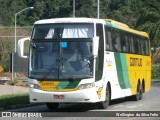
(95, 46)
(21, 47)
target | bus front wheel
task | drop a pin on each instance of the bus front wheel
(105, 104)
(52, 106)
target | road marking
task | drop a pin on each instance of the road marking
(134, 106)
(118, 106)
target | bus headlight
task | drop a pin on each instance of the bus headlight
(35, 86)
(85, 86)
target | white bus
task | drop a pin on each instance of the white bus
(86, 60)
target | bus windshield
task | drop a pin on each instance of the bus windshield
(49, 31)
(66, 55)
(69, 60)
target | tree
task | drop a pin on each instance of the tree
(120, 10)
(85, 8)
(149, 20)
(6, 46)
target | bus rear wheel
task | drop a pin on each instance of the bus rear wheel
(105, 104)
(139, 93)
(52, 106)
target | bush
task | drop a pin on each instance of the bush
(1, 69)
(7, 101)
(6, 67)
(155, 71)
(13, 82)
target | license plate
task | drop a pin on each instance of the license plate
(58, 96)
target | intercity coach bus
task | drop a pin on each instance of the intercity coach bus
(86, 60)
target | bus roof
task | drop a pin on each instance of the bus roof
(122, 26)
(70, 20)
(108, 22)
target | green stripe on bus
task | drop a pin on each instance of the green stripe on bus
(111, 24)
(72, 85)
(125, 70)
(62, 84)
(67, 84)
(119, 70)
(122, 73)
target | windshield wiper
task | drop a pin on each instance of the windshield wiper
(88, 61)
(50, 70)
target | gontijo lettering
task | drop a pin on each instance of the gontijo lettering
(136, 62)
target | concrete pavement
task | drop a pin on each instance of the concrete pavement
(8, 89)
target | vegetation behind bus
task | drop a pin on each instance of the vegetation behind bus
(155, 71)
(140, 14)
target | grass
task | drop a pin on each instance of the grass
(13, 100)
(156, 72)
(156, 80)
(13, 82)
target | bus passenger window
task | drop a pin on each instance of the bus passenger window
(116, 42)
(138, 40)
(124, 49)
(123, 42)
(146, 47)
(139, 47)
(114, 46)
(99, 61)
(136, 44)
(142, 46)
(131, 45)
(127, 43)
(108, 39)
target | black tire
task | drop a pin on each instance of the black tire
(136, 97)
(105, 104)
(141, 92)
(52, 106)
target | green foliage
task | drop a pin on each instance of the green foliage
(13, 82)
(5, 67)
(7, 43)
(140, 14)
(7, 101)
(149, 20)
(156, 71)
(85, 8)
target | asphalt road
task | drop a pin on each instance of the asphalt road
(122, 107)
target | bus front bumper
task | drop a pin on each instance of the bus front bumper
(89, 95)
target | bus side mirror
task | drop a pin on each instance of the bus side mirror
(21, 47)
(95, 46)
